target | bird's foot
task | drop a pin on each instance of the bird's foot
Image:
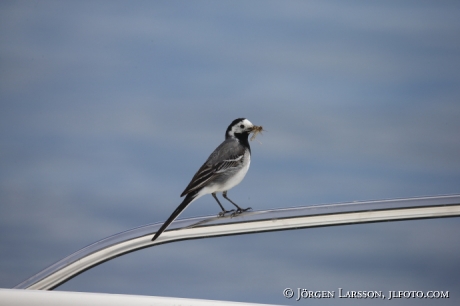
(224, 212)
(240, 210)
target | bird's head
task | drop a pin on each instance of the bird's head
(240, 126)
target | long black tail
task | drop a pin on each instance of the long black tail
(189, 198)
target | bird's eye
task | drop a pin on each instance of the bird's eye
(242, 126)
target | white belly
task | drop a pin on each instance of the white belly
(236, 179)
(232, 182)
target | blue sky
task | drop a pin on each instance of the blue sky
(107, 109)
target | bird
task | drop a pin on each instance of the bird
(224, 169)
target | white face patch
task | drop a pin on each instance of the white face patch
(241, 126)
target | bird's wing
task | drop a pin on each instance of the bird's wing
(228, 155)
(233, 161)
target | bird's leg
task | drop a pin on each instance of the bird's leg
(223, 212)
(239, 210)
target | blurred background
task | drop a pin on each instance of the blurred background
(107, 109)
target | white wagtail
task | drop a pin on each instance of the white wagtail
(224, 169)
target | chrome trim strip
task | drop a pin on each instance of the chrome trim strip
(248, 222)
